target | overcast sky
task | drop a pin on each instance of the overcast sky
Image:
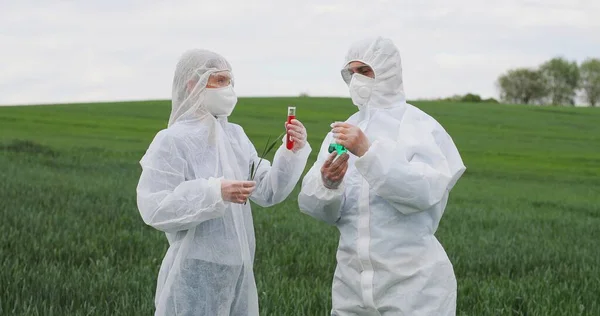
(75, 51)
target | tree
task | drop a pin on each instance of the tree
(562, 78)
(523, 86)
(490, 100)
(470, 97)
(590, 80)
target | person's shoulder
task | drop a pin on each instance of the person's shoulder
(434, 127)
(236, 130)
(354, 118)
(162, 138)
(173, 135)
(161, 142)
(423, 117)
(235, 127)
(183, 131)
(418, 113)
(161, 135)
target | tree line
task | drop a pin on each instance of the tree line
(555, 82)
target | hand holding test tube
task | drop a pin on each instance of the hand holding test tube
(348, 137)
(295, 132)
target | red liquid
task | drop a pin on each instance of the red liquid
(288, 143)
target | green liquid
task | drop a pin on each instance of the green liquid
(337, 147)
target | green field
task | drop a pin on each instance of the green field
(522, 227)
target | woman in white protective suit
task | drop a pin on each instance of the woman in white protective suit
(193, 187)
(387, 197)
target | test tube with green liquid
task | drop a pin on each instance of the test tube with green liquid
(337, 147)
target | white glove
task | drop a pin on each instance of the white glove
(237, 191)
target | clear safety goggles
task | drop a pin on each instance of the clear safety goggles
(356, 68)
(219, 79)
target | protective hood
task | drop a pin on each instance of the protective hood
(384, 58)
(189, 83)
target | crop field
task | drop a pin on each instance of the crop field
(522, 227)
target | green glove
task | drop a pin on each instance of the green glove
(337, 147)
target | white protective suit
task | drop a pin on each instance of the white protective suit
(390, 202)
(207, 269)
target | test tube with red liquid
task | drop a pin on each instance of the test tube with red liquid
(289, 144)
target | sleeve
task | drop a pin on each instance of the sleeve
(165, 199)
(275, 182)
(315, 199)
(414, 172)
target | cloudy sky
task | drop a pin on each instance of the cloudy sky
(76, 51)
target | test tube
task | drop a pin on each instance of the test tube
(289, 144)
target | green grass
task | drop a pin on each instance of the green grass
(522, 226)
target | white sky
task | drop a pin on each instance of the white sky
(76, 51)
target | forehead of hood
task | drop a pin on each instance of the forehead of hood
(384, 57)
(192, 70)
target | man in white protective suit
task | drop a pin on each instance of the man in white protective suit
(387, 196)
(194, 188)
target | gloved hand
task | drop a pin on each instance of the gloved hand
(237, 191)
(333, 172)
(351, 137)
(297, 133)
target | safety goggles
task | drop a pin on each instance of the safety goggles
(356, 68)
(219, 79)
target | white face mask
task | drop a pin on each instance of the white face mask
(220, 101)
(360, 89)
